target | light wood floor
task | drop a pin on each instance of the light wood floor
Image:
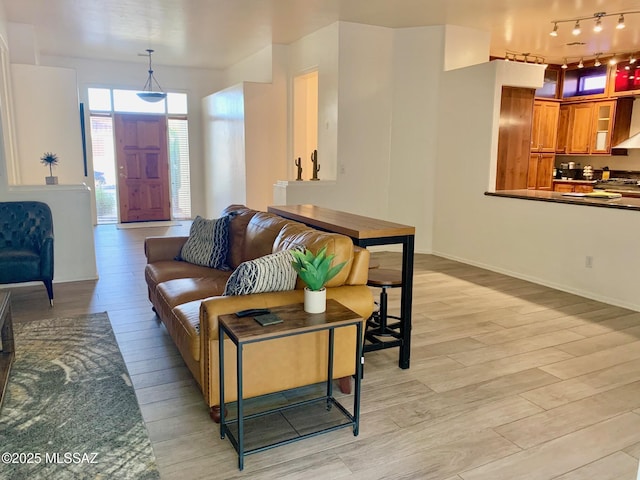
(508, 380)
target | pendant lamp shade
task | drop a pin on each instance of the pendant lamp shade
(147, 94)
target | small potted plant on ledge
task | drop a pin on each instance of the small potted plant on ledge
(315, 271)
(51, 160)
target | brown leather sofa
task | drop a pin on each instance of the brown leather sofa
(188, 299)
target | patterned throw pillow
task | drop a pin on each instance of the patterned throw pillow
(208, 243)
(271, 273)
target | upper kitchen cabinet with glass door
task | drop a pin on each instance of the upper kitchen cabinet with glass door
(624, 78)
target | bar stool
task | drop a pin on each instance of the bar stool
(379, 333)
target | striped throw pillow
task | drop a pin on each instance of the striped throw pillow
(271, 273)
(208, 243)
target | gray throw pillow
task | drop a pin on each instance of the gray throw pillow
(208, 243)
(271, 273)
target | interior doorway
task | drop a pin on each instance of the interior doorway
(305, 122)
(172, 146)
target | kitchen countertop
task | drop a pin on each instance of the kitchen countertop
(626, 203)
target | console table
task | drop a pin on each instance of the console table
(366, 231)
(7, 352)
(245, 330)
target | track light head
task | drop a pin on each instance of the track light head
(554, 32)
(620, 24)
(576, 28)
(598, 26)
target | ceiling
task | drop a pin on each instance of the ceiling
(219, 33)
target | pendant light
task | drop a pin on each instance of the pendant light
(147, 94)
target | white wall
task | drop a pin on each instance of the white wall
(414, 129)
(263, 159)
(47, 119)
(539, 241)
(224, 158)
(355, 82)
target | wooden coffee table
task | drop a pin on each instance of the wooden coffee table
(244, 331)
(7, 352)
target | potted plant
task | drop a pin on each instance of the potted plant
(51, 160)
(315, 271)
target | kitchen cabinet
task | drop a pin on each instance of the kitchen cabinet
(540, 173)
(572, 186)
(544, 129)
(592, 128)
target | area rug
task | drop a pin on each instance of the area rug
(70, 411)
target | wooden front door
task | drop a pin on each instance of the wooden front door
(143, 167)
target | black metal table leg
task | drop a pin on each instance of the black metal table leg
(406, 300)
(221, 375)
(240, 409)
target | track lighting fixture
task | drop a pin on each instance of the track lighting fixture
(597, 63)
(526, 57)
(598, 27)
(581, 64)
(564, 65)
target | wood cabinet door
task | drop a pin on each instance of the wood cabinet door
(544, 174)
(579, 136)
(563, 129)
(514, 138)
(545, 126)
(532, 173)
(583, 188)
(562, 187)
(602, 126)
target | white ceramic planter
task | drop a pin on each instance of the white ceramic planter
(315, 301)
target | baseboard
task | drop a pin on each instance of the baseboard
(543, 282)
(125, 226)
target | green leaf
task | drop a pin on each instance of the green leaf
(315, 270)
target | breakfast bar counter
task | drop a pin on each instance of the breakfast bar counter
(624, 202)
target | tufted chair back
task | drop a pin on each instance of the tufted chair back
(24, 225)
(26, 243)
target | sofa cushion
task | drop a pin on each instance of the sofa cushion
(239, 219)
(271, 273)
(208, 243)
(292, 236)
(262, 230)
(161, 271)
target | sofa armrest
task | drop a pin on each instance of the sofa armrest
(163, 248)
(46, 258)
(356, 297)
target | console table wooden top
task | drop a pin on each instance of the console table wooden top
(349, 224)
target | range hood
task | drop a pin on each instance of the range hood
(631, 142)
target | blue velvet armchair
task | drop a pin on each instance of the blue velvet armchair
(26, 244)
